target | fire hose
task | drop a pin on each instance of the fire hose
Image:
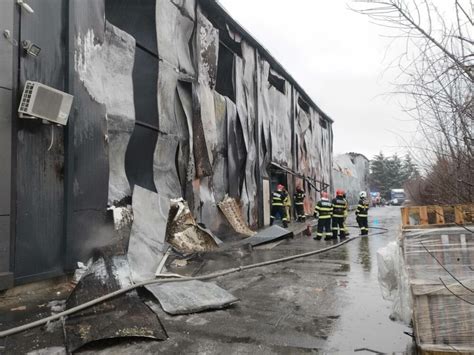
(108, 296)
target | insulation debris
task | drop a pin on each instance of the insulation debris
(231, 211)
(270, 234)
(191, 296)
(120, 317)
(183, 233)
(147, 240)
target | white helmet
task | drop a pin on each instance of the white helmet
(363, 194)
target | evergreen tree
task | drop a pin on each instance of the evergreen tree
(388, 173)
(410, 171)
(377, 177)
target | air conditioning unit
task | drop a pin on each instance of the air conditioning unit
(42, 101)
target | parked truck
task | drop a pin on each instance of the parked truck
(397, 197)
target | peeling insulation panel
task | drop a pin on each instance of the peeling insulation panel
(170, 96)
(351, 173)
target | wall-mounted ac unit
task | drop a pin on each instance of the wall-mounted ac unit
(42, 101)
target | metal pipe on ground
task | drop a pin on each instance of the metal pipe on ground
(108, 296)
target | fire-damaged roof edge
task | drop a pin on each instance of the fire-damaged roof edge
(218, 9)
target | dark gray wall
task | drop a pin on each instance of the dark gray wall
(6, 84)
(39, 243)
(87, 177)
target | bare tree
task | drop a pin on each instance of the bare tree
(436, 71)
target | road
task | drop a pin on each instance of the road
(325, 303)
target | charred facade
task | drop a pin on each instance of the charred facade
(173, 96)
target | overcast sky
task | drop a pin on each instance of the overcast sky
(339, 58)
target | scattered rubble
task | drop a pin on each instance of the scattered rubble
(232, 212)
(184, 234)
(191, 296)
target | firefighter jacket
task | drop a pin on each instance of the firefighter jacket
(279, 198)
(362, 208)
(298, 197)
(323, 209)
(339, 206)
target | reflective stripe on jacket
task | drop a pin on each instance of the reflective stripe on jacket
(279, 198)
(323, 209)
(362, 208)
(339, 206)
(299, 198)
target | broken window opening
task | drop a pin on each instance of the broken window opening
(276, 81)
(226, 41)
(323, 123)
(303, 105)
(225, 71)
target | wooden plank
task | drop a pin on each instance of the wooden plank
(435, 349)
(405, 216)
(422, 326)
(439, 214)
(458, 215)
(423, 215)
(439, 289)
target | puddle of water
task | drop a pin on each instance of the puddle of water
(364, 321)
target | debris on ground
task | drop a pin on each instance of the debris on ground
(123, 316)
(191, 296)
(184, 234)
(268, 235)
(232, 212)
(21, 308)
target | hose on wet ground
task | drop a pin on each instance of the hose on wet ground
(108, 296)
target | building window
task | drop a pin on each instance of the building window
(225, 72)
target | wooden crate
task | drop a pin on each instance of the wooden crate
(415, 217)
(443, 322)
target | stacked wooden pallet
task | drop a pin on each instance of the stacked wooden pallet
(438, 246)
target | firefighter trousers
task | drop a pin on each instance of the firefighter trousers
(300, 216)
(338, 226)
(363, 223)
(324, 228)
(279, 212)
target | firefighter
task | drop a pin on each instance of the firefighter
(339, 207)
(323, 210)
(298, 199)
(279, 200)
(287, 203)
(362, 213)
(346, 213)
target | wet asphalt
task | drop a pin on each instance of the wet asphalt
(328, 303)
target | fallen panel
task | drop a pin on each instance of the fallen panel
(184, 234)
(124, 316)
(147, 239)
(270, 234)
(191, 296)
(232, 212)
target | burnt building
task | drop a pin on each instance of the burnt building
(170, 95)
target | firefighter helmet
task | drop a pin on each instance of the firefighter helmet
(363, 194)
(339, 192)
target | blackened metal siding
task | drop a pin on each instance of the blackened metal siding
(40, 189)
